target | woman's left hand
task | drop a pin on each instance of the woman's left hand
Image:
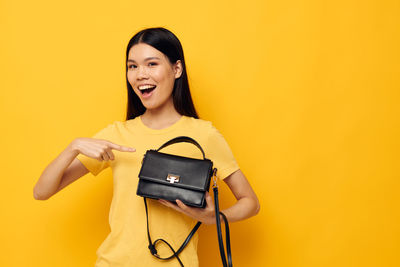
(206, 215)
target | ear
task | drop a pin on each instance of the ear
(178, 69)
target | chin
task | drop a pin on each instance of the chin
(154, 104)
(150, 105)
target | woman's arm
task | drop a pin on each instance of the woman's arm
(66, 168)
(247, 204)
(59, 171)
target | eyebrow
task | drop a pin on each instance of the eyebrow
(146, 59)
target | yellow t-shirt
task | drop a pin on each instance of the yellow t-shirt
(126, 244)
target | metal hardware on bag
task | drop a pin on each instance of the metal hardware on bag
(214, 176)
(173, 178)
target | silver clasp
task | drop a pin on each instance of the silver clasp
(173, 178)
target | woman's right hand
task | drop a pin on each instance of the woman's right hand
(99, 149)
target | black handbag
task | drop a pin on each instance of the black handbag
(171, 177)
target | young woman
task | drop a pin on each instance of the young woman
(159, 108)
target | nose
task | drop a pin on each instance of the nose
(141, 73)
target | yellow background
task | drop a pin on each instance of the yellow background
(305, 92)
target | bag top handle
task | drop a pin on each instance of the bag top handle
(181, 139)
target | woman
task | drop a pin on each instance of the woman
(160, 107)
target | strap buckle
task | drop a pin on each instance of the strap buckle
(153, 250)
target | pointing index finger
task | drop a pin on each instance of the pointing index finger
(122, 148)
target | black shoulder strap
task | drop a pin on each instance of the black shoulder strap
(152, 246)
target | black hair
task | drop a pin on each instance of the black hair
(167, 43)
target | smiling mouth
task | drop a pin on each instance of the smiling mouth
(145, 92)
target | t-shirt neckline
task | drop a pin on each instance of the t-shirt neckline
(160, 131)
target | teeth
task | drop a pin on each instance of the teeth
(144, 87)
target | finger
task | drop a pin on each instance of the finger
(209, 201)
(121, 148)
(110, 154)
(100, 154)
(166, 203)
(169, 204)
(105, 156)
(184, 207)
(190, 211)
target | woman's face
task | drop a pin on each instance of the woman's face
(151, 75)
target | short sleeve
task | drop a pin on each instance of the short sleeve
(93, 165)
(219, 152)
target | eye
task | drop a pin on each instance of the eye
(153, 63)
(129, 67)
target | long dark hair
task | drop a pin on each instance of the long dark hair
(167, 43)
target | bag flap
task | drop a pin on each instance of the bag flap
(177, 171)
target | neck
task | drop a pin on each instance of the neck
(161, 117)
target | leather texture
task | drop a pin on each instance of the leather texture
(194, 177)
